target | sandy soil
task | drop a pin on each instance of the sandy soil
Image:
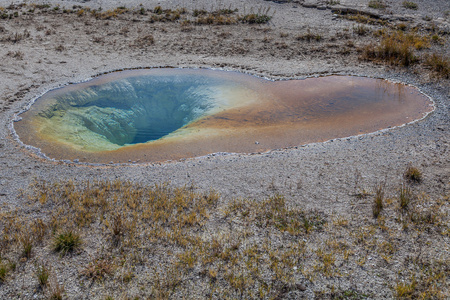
(55, 49)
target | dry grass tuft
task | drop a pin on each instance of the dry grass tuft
(309, 36)
(144, 41)
(66, 242)
(404, 197)
(377, 4)
(255, 18)
(98, 269)
(42, 275)
(364, 19)
(26, 244)
(107, 15)
(55, 290)
(3, 271)
(396, 48)
(410, 5)
(378, 201)
(439, 64)
(361, 30)
(413, 174)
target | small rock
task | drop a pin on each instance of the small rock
(309, 5)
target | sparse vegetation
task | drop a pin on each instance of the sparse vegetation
(109, 14)
(402, 26)
(409, 5)
(55, 290)
(5, 268)
(223, 16)
(167, 231)
(436, 38)
(363, 194)
(144, 41)
(215, 19)
(60, 48)
(3, 271)
(17, 36)
(378, 201)
(440, 65)
(403, 47)
(404, 197)
(66, 242)
(42, 274)
(27, 245)
(396, 48)
(17, 54)
(428, 281)
(413, 174)
(309, 36)
(361, 30)
(255, 18)
(364, 19)
(158, 10)
(377, 4)
(98, 269)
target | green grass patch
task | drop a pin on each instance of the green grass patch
(377, 4)
(410, 5)
(66, 242)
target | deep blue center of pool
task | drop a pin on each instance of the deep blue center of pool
(138, 109)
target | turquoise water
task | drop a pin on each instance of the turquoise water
(162, 114)
(139, 109)
(132, 110)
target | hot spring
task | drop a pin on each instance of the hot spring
(165, 114)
